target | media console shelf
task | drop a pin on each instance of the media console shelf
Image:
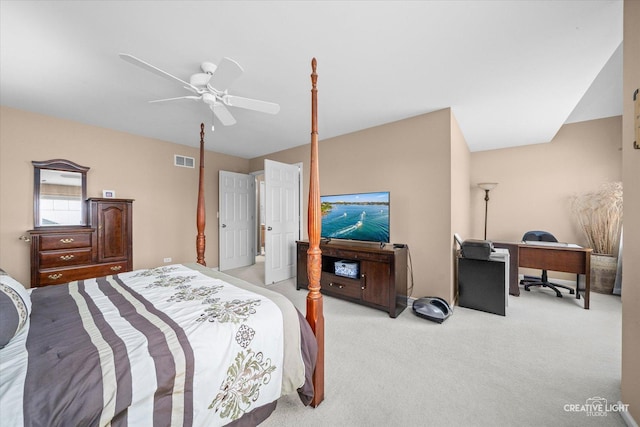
(382, 274)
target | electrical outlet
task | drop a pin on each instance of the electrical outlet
(167, 260)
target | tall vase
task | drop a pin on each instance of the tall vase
(603, 273)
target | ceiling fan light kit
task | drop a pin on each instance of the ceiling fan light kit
(208, 67)
(211, 87)
(199, 80)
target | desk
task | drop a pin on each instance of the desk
(567, 259)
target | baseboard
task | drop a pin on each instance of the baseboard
(626, 416)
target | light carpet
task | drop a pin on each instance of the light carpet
(537, 366)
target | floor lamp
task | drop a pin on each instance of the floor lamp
(486, 186)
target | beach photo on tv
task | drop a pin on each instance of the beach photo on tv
(360, 216)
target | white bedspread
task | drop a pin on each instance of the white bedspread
(221, 351)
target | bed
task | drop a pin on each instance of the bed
(174, 345)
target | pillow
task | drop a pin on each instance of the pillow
(15, 307)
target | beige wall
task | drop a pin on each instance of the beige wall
(411, 159)
(134, 167)
(425, 163)
(536, 181)
(631, 177)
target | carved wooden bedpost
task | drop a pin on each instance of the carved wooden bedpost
(200, 214)
(315, 315)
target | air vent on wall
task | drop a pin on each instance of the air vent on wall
(184, 161)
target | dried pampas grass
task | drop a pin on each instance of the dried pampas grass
(599, 214)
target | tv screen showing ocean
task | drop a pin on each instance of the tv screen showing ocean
(345, 218)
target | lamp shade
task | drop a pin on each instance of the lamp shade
(487, 185)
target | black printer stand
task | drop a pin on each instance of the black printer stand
(481, 285)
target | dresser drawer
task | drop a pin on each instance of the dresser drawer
(65, 241)
(56, 276)
(110, 269)
(373, 255)
(51, 259)
(341, 286)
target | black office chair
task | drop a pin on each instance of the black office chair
(528, 281)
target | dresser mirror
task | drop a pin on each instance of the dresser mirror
(59, 193)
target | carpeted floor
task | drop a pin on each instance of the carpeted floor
(537, 366)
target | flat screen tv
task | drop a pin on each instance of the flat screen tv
(358, 216)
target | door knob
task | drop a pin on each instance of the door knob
(269, 228)
(224, 225)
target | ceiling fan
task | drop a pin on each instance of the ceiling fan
(211, 86)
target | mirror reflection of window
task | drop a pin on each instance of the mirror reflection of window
(60, 197)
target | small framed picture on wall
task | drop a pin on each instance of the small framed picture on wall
(108, 194)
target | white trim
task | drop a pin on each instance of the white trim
(302, 225)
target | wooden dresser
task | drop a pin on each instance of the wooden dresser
(104, 247)
(381, 281)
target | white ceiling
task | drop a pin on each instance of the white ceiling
(512, 71)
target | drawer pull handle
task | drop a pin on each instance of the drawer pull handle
(69, 240)
(66, 257)
(55, 276)
(337, 286)
(116, 268)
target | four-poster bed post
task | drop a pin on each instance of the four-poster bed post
(200, 214)
(315, 315)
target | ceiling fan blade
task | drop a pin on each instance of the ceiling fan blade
(140, 63)
(174, 99)
(221, 112)
(251, 104)
(227, 72)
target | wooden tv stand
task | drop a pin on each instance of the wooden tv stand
(382, 277)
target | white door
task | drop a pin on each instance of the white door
(236, 220)
(282, 220)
